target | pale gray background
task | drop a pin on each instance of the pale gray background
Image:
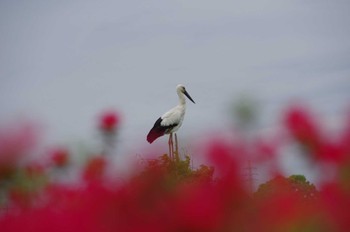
(63, 62)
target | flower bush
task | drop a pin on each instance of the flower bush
(170, 195)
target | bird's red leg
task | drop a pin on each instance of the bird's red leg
(172, 147)
(170, 142)
(176, 148)
(169, 146)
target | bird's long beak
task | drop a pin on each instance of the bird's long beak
(189, 97)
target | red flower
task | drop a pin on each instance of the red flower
(302, 125)
(304, 129)
(109, 121)
(199, 208)
(15, 143)
(60, 157)
(94, 169)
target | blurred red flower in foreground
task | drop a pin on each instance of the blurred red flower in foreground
(94, 169)
(109, 121)
(170, 195)
(303, 126)
(16, 143)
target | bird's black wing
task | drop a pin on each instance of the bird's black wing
(158, 130)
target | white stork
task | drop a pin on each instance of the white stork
(171, 121)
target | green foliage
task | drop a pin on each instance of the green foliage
(23, 185)
(179, 170)
(294, 184)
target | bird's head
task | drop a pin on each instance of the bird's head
(181, 89)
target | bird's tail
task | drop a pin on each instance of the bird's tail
(153, 134)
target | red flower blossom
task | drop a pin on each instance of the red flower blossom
(15, 143)
(304, 129)
(302, 126)
(60, 157)
(94, 169)
(199, 208)
(335, 201)
(109, 121)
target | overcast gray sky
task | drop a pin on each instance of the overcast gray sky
(62, 62)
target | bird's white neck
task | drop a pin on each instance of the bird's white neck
(182, 99)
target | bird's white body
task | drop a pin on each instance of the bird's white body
(172, 120)
(175, 116)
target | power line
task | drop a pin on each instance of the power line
(250, 176)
